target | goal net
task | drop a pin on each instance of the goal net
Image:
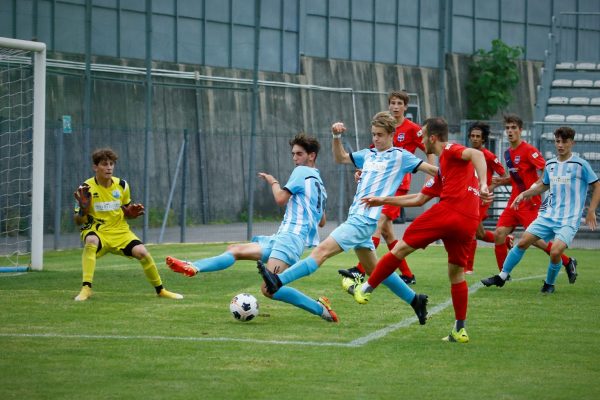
(22, 117)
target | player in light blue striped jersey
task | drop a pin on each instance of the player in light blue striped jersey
(383, 168)
(567, 178)
(305, 198)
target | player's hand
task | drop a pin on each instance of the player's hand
(485, 195)
(518, 200)
(84, 198)
(133, 210)
(590, 219)
(270, 179)
(357, 175)
(338, 128)
(372, 201)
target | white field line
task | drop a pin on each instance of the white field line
(361, 341)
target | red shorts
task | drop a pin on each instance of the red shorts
(393, 212)
(455, 230)
(513, 218)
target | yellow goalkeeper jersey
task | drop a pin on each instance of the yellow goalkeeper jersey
(105, 210)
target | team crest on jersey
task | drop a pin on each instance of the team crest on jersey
(517, 159)
(116, 194)
(401, 137)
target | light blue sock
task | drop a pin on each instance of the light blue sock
(553, 270)
(300, 269)
(297, 298)
(512, 259)
(216, 263)
(400, 289)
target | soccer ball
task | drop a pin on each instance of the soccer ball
(244, 307)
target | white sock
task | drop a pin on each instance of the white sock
(503, 275)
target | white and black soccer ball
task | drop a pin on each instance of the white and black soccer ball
(244, 307)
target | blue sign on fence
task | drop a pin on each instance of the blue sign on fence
(66, 120)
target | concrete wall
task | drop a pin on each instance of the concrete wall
(217, 117)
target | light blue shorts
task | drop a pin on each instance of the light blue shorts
(547, 229)
(286, 247)
(355, 232)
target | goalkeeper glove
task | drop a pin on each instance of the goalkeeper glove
(84, 199)
(133, 210)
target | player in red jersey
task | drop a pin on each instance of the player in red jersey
(454, 220)
(523, 162)
(407, 136)
(478, 135)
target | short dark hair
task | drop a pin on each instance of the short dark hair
(514, 118)
(483, 127)
(437, 126)
(309, 143)
(401, 94)
(104, 154)
(565, 132)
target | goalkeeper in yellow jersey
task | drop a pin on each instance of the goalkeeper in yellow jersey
(103, 204)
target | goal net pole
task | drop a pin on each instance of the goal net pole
(39, 117)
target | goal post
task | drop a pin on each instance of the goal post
(9, 49)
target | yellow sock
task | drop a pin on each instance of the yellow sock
(150, 270)
(88, 262)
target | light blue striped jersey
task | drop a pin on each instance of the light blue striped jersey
(305, 208)
(568, 181)
(382, 173)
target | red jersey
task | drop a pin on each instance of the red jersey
(408, 136)
(460, 186)
(433, 187)
(493, 165)
(523, 164)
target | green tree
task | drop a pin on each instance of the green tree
(493, 74)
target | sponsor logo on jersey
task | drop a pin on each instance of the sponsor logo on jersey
(420, 133)
(560, 180)
(107, 205)
(429, 183)
(374, 166)
(474, 190)
(535, 155)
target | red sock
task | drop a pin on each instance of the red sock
(471, 256)
(402, 264)
(488, 237)
(384, 268)
(460, 300)
(360, 268)
(501, 252)
(376, 241)
(564, 258)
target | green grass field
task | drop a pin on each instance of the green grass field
(125, 343)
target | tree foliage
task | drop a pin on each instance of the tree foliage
(493, 74)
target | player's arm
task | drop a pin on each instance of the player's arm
(501, 180)
(537, 188)
(407, 200)
(590, 218)
(340, 155)
(281, 195)
(84, 202)
(429, 169)
(478, 159)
